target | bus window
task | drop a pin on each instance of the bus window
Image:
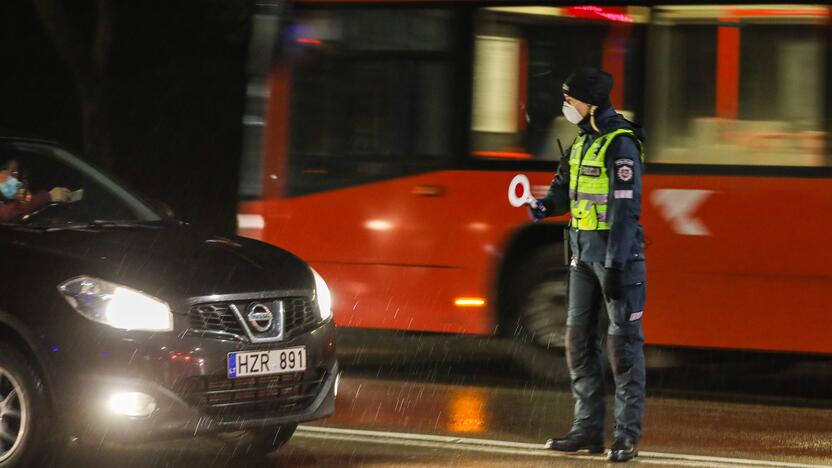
(370, 95)
(738, 84)
(521, 57)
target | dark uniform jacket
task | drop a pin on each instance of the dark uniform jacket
(623, 244)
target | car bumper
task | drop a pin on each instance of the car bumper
(186, 378)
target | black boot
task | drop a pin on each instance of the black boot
(622, 450)
(576, 442)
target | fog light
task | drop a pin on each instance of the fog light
(335, 388)
(133, 404)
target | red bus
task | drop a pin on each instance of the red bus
(390, 136)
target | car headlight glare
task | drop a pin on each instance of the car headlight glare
(323, 296)
(116, 305)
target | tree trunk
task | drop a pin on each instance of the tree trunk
(162, 92)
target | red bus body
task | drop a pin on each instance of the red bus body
(736, 261)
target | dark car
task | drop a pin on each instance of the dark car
(119, 322)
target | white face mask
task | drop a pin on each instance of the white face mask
(571, 113)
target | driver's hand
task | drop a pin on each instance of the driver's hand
(60, 195)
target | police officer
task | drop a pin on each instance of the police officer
(599, 183)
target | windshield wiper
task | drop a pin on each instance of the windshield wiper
(127, 224)
(102, 224)
(22, 227)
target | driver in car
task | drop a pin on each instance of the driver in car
(16, 201)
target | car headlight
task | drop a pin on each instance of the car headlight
(323, 296)
(116, 305)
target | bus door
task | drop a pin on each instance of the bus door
(370, 103)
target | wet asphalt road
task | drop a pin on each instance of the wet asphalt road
(430, 401)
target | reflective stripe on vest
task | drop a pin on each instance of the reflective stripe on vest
(589, 182)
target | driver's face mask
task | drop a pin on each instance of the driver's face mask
(10, 187)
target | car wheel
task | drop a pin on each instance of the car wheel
(23, 408)
(260, 442)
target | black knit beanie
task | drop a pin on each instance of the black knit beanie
(589, 85)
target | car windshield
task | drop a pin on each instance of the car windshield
(48, 187)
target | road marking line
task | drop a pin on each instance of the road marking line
(520, 448)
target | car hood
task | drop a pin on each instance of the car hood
(175, 264)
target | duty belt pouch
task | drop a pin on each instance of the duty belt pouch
(585, 216)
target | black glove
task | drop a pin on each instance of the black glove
(539, 209)
(613, 284)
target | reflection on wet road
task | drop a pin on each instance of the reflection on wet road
(530, 415)
(435, 407)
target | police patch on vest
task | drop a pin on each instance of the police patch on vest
(624, 173)
(591, 171)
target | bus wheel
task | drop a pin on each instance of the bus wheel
(538, 298)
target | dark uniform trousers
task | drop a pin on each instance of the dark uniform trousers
(625, 342)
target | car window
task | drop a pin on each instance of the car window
(96, 197)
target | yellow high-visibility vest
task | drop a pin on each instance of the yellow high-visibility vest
(589, 182)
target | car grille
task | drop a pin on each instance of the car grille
(215, 318)
(299, 315)
(272, 395)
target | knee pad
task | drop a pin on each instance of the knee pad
(581, 347)
(620, 352)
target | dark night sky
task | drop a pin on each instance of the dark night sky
(37, 92)
(162, 109)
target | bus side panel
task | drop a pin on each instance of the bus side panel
(733, 262)
(403, 251)
(403, 298)
(738, 262)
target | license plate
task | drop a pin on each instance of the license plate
(275, 361)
